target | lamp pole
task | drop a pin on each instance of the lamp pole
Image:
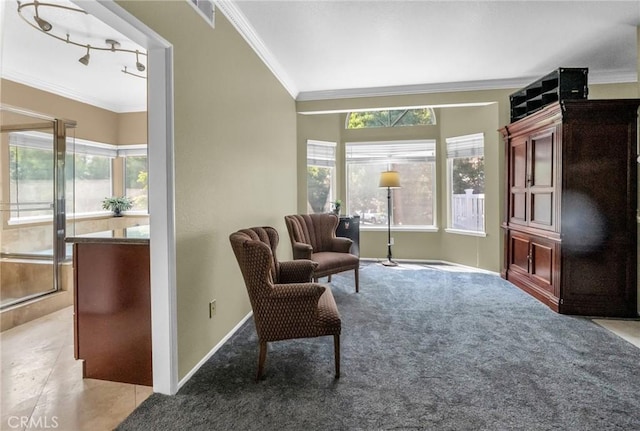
(389, 179)
(389, 262)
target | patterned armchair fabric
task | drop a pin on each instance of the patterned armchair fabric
(285, 303)
(313, 236)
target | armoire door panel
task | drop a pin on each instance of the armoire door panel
(542, 208)
(519, 207)
(520, 252)
(542, 265)
(518, 182)
(519, 164)
(542, 160)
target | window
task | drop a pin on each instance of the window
(30, 177)
(88, 176)
(413, 203)
(321, 163)
(90, 184)
(465, 177)
(391, 118)
(136, 175)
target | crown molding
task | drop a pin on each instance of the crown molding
(612, 77)
(240, 23)
(491, 84)
(31, 81)
(401, 90)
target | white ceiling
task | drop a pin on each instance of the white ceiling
(365, 47)
(327, 48)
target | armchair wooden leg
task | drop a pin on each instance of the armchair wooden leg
(329, 279)
(336, 353)
(357, 280)
(261, 359)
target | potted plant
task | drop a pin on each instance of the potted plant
(117, 204)
(336, 207)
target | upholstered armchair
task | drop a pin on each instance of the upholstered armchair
(313, 237)
(285, 303)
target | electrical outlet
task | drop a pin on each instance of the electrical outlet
(212, 308)
(391, 242)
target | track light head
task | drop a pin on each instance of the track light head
(85, 58)
(139, 65)
(43, 24)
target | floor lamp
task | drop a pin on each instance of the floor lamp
(390, 180)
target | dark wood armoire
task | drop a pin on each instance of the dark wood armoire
(570, 206)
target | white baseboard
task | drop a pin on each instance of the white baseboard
(217, 347)
(432, 262)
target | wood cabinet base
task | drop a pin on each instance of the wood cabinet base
(113, 311)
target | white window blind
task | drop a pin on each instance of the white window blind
(132, 150)
(44, 141)
(321, 153)
(391, 152)
(465, 146)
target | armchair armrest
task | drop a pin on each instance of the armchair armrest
(341, 244)
(296, 271)
(302, 250)
(297, 292)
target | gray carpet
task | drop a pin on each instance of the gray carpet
(422, 349)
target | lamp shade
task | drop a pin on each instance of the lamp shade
(389, 179)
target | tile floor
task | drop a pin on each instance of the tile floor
(42, 384)
(625, 328)
(43, 388)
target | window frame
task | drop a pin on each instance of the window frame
(395, 124)
(75, 146)
(136, 150)
(389, 161)
(328, 163)
(466, 144)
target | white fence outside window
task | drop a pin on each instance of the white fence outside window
(468, 211)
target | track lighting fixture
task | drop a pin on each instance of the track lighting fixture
(85, 58)
(46, 27)
(139, 65)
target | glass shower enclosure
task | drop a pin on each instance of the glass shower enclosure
(33, 203)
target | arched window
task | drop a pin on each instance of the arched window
(391, 118)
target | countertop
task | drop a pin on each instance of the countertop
(130, 235)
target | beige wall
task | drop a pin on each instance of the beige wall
(481, 252)
(235, 158)
(93, 124)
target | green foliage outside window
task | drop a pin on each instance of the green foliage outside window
(391, 118)
(30, 164)
(468, 173)
(318, 188)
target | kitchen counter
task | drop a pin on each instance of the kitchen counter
(130, 235)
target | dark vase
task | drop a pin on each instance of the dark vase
(117, 213)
